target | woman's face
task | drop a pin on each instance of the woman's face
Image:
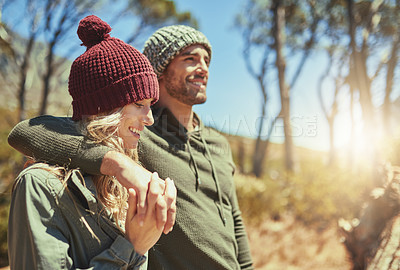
(134, 117)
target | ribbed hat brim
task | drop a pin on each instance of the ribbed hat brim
(116, 95)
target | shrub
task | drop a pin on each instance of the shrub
(315, 194)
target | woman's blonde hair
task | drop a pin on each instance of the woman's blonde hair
(103, 129)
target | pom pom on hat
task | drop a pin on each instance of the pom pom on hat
(110, 74)
(93, 30)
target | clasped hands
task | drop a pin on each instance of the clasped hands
(151, 204)
(143, 231)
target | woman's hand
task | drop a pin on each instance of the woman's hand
(143, 234)
(132, 175)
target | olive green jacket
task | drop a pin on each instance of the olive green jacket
(49, 226)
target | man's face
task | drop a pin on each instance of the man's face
(185, 78)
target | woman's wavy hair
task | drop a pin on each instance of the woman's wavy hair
(103, 129)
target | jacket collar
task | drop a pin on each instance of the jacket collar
(84, 188)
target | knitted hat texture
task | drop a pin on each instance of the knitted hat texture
(169, 41)
(110, 74)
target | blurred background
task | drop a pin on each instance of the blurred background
(306, 91)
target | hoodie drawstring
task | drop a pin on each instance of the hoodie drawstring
(196, 169)
(215, 176)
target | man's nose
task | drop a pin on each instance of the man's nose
(202, 66)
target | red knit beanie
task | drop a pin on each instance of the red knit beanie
(110, 74)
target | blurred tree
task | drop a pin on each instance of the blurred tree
(361, 40)
(270, 28)
(32, 14)
(358, 61)
(249, 22)
(279, 37)
(372, 240)
(59, 17)
(5, 39)
(335, 72)
(155, 13)
(390, 28)
(363, 36)
(329, 111)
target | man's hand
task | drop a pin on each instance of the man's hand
(144, 236)
(166, 204)
(132, 175)
(170, 194)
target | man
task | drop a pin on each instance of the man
(209, 231)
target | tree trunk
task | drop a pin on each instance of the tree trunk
(260, 151)
(387, 258)
(362, 83)
(389, 84)
(260, 145)
(46, 79)
(68, 14)
(23, 74)
(351, 156)
(374, 241)
(241, 150)
(279, 17)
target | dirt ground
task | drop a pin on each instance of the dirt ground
(288, 245)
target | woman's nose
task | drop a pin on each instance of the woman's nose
(148, 119)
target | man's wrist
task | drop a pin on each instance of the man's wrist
(110, 163)
(123, 168)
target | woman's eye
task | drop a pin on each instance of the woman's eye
(139, 105)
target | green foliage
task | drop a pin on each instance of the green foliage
(154, 12)
(260, 198)
(321, 195)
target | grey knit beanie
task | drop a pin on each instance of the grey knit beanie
(169, 41)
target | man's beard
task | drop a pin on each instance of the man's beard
(178, 89)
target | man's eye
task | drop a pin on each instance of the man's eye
(139, 105)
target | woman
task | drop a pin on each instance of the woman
(60, 218)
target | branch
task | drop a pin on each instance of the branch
(320, 82)
(372, 12)
(246, 53)
(307, 50)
